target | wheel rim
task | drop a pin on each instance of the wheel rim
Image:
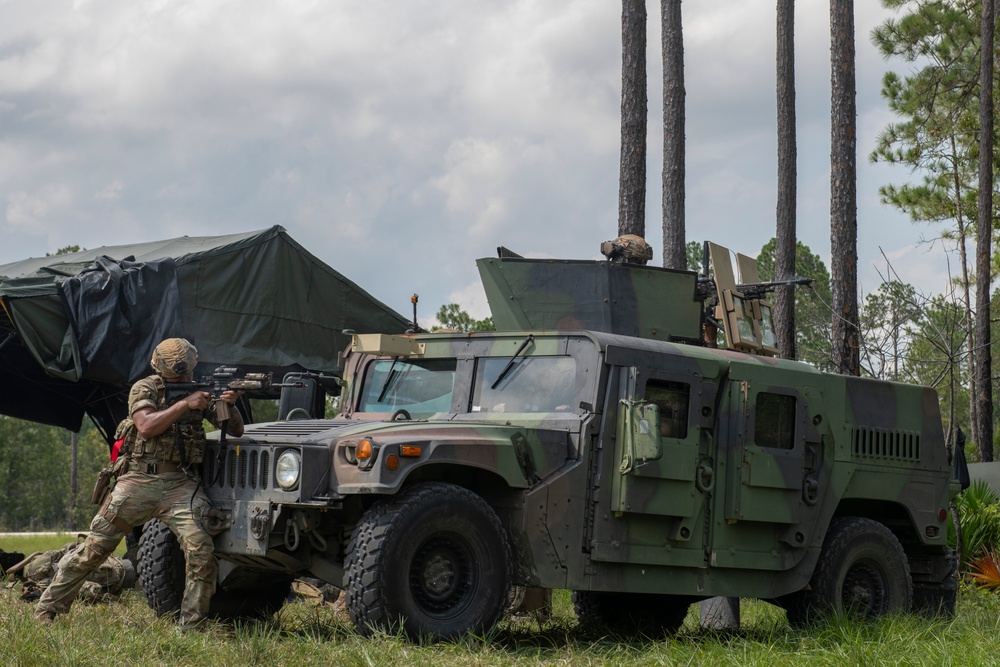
(864, 592)
(442, 578)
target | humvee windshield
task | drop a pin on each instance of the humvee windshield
(417, 386)
(534, 384)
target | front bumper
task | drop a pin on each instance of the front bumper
(241, 482)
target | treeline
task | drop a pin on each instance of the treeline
(36, 475)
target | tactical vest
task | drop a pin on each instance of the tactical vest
(188, 430)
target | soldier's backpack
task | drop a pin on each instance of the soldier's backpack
(121, 452)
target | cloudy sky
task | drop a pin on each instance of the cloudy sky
(399, 140)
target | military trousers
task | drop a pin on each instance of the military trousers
(136, 498)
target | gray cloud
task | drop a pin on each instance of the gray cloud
(400, 141)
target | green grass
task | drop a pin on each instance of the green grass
(127, 633)
(28, 544)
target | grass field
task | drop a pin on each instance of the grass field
(126, 632)
(27, 544)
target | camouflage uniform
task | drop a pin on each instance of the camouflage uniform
(155, 487)
(105, 583)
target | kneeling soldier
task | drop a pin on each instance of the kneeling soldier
(168, 438)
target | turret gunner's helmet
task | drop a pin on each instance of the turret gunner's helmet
(628, 248)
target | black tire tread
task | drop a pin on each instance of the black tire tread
(161, 577)
(935, 582)
(161, 564)
(366, 563)
(811, 604)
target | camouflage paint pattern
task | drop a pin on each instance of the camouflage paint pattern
(726, 489)
(529, 295)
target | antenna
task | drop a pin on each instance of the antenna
(414, 328)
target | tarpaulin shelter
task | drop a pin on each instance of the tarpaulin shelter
(78, 329)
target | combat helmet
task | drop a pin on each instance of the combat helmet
(628, 248)
(174, 358)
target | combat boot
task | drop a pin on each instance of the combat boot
(44, 616)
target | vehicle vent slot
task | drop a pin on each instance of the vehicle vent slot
(209, 470)
(243, 471)
(231, 469)
(872, 443)
(254, 468)
(295, 429)
(265, 468)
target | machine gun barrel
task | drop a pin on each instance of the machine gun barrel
(758, 290)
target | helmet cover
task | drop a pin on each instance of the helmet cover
(174, 358)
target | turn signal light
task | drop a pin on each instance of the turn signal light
(392, 462)
(410, 450)
(364, 450)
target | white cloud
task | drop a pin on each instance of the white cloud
(28, 212)
(112, 192)
(472, 299)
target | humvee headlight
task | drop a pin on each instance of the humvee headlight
(287, 469)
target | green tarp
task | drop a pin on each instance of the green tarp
(79, 328)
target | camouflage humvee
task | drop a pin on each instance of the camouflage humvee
(602, 447)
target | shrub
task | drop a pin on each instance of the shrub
(979, 517)
(985, 571)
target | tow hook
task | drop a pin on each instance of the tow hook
(302, 524)
(260, 522)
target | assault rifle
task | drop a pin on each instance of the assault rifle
(225, 378)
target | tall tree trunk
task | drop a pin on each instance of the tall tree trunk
(674, 245)
(966, 299)
(843, 190)
(632, 175)
(984, 239)
(785, 236)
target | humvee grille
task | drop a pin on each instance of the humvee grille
(251, 470)
(874, 443)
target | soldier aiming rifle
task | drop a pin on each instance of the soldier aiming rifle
(223, 379)
(162, 438)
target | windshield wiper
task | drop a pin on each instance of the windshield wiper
(510, 364)
(388, 380)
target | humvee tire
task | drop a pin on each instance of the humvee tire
(161, 576)
(862, 572)
(433, 560)
(630, 613)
